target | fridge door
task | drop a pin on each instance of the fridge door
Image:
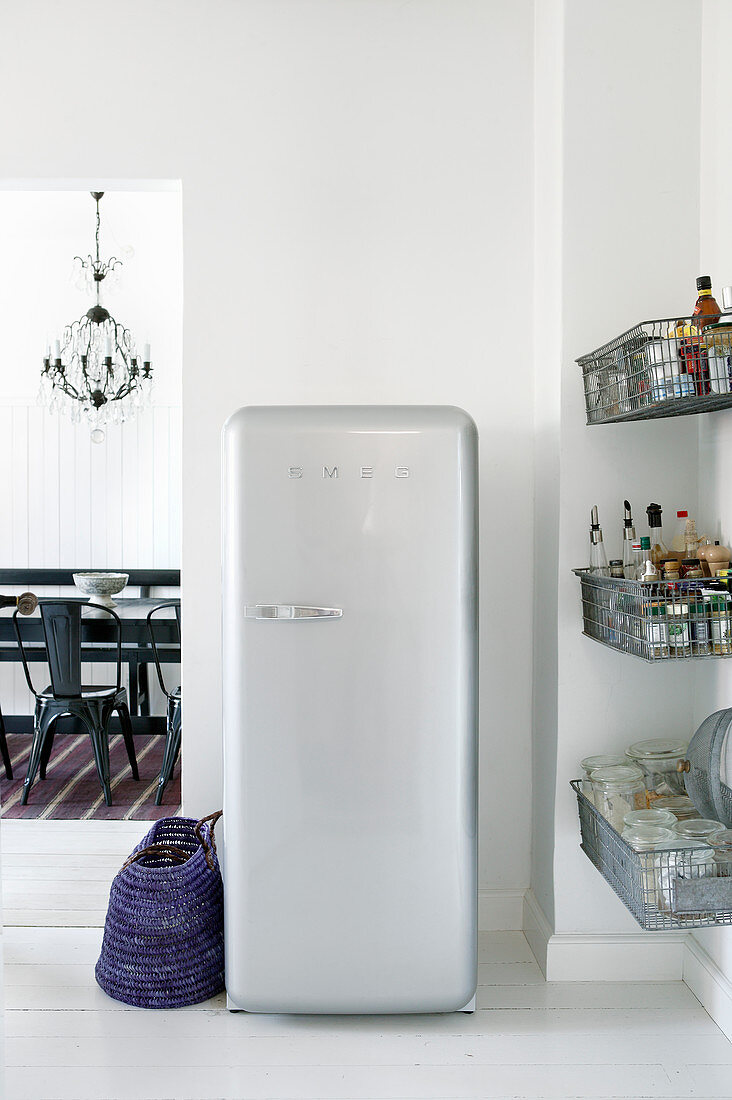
(350, 682)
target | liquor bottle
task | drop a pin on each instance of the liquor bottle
(629, 563)
(598, 557)
(706, 310)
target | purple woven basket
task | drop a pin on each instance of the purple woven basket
(163, 943)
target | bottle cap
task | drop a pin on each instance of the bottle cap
(637, 544)
(704, 282)
(645, 542)
(727, 299)
(682, 515)
(616, 561)
(654, 511)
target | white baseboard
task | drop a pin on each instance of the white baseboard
(602, 956)
(616, 957)
(500, 909)
(536, 928)
(708, 984)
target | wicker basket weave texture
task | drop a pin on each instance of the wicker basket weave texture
(163, 944)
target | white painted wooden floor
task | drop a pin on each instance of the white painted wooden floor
(66, 1040)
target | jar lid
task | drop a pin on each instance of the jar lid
(650, 817)
(680, 806)
(646, 836)
(607, 760)
(657, 747)
(618, 776)
(700, 828)
(722, 842)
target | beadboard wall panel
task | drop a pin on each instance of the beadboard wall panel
(66, 502)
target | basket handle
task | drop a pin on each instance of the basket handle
(208, 835)
(178, 854)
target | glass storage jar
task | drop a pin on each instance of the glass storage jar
(650, 817)
(645, 839)
(721, 845)
(680, 806)
(588, 765)
(699, 828)
(618, 790)
(694, 860)
(657, 758)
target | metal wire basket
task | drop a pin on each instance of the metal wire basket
(658, 369)
(663, 889)
(674, 620)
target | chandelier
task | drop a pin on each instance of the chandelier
(96, 373)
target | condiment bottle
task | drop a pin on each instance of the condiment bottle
(659, 550)
(598, 557)
(678, 542)
(691, 568)
(706, 310)
(650, 573)
(635, 571)
(628, 540)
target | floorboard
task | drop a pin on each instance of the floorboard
(528, 1040)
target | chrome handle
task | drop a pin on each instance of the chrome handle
(290, 611)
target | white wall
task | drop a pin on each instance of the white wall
(630, 220)
(357, 210)
(714, 680)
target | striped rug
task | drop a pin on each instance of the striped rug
(71, 788)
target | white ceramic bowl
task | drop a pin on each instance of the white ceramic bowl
(100, 587)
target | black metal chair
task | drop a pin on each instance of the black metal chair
(93, 705)
(173, 724)
(4, 750)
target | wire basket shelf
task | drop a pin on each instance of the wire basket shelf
(652, 372)
(672, 888)
(660, 621)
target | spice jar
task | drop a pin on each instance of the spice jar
(691, 568)
(699, 828)
(588, 765)
(616, 568)
(671, 570)
(650, 817)
(701, 635)
(720, 620)
(721, 845)
(617, 791)
(657, 758)
(679, 632)
(657, 628)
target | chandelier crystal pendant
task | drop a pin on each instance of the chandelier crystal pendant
(95, 372)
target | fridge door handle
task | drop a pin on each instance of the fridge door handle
(290, 611)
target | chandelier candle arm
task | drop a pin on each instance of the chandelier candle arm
(95, 372)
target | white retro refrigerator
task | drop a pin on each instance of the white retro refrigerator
(350, 708)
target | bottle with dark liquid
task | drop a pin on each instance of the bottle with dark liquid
(706, 310)
(693, 349)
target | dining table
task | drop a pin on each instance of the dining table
(99, 646)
